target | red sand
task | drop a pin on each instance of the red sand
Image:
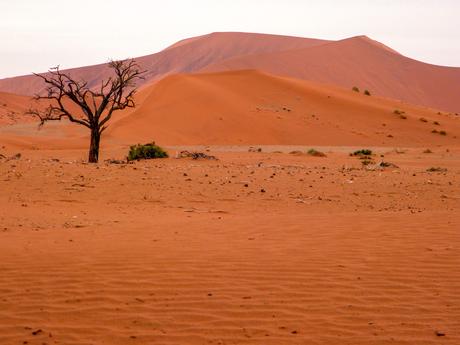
(181, 251)
(271, 247)
(185, 56)
(12, 108)
(364, 63)
(250, 107)
(357, 61)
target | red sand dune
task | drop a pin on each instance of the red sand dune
(357, 61)
(183, 57)
(362, 62)
(250, 107)
(12, 108)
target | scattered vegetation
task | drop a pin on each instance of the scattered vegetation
(398, 112)
(115, 161)
(436, 169)
(366, 162)
(316, 153)
(255, 149)
(147, 151)
(422, 119)
(367, 92)
(195, 155)
(436, 123)
(443, 132)
(296, 153)
(355, 89)
(427, 151)
(362, 152)
(372, 166)
(387, 165)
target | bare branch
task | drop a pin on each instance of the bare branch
(97, 105)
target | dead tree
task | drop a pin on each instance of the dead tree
(93, 108)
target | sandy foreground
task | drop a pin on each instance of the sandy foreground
(255, 248)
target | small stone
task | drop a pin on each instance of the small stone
(440, 334)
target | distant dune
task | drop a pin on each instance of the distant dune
(357, 61)
(361, 62)
(251, 107)
(186, 56)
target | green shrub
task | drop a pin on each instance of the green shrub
(367, 93)
(355, 89)
(147, 151)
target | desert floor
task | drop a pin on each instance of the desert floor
(254, 248)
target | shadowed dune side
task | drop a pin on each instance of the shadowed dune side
(250, 107)
(362, 62)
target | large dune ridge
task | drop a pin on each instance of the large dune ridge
(183, 57)
(361, 62)
(252, 107)
(357, 61)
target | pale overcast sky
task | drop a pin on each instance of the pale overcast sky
(37, 34)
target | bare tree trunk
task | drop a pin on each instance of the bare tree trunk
(116, 93)
(93, 156)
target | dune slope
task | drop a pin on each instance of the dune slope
(250, 107)
(362, 62)
(185, 56)
(12, 108)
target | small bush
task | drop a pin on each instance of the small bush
(436, 169)
(316, 153)
(403, 117)
(363, 152)
(443, 132)
(436, 123)
(398, 112)
(147, 151)
(427, 151)
(422, 119)
(367, 93)
(355, 89)
(367, 162)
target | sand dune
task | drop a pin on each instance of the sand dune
(250, 107)
(358, 61)
(13, 107)
(362, 62)
(185, 56)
